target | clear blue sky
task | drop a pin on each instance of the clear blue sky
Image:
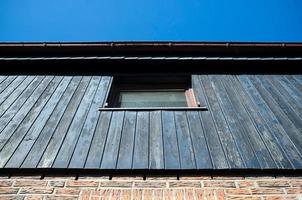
(149, 20)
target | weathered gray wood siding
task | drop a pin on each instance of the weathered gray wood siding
(252, 122)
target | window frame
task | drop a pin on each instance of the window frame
(149, 84)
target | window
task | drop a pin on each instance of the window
(151, 91)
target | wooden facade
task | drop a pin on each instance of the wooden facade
(252, 122)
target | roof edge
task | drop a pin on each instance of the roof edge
(150, 43)
(150, 49)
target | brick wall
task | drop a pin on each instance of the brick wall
(201, 187)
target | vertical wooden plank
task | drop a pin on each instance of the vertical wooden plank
(294, 82)
(19, 133)
(218, 157)
(298, 77)
(234, 119)
(156, 141)
(9, 101)
(9, 89)
(54, 145)
(186, 151)
(81, 149)
(19, 103)
(44, 138)
(201, 150)
(277, 153)
(37, 126)
(291, 100)
(74, 130)
(98, 141)
(110, 155)
(30, 103)
(105, 87)
(292, 90)
(287, 125)
(141, 144)
(4, 84)
(272, 122)
(198, 92)
(228, 142)
(282, 102)
(263, 155)
(2, 78)
(125, 156)
(171, 151)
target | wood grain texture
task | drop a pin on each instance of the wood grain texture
(251, 122)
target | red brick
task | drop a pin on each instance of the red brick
(189, 194)
(245, 184)
(266, 191)
(296, 190)
(148, 194)
(15, 197)
(6, 183)
(82, 183)
(97, 198)
(30, 183)
(199, 193)
(126, 194)
(238, 191)
(220, 195)
(149, 184)
(137, 194)
(36, 190)
(105, 193)
(115, 194)
(123, 184)
(56, 197)
(168, 194)
(274, 183)
(158, 194)
(297, 183)
(274, 198)
(243, 198)
(85, 194)
(219, 184)
(34, 197)
(209, 194)
(179, 194)
(8, 190)
(67, 191)
(190, 184)
(93, 192)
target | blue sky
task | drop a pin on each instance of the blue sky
(151, 20)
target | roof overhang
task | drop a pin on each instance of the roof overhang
(117, 57)
(151, 49)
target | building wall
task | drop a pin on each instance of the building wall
(252, 122)
(196, 187)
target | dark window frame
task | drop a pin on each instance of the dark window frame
(151, 83)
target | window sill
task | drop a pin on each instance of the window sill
(155, 108)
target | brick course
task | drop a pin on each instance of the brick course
(153, 188)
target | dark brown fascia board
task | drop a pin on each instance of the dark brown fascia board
(151, 48)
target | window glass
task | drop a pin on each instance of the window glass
(152, 99)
